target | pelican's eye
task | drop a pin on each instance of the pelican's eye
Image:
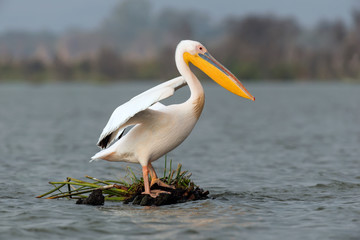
(201, 49)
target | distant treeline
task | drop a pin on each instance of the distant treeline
(134, 43)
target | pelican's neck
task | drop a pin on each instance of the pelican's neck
(196, 89)
(197, 97)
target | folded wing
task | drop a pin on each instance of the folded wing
(121, 117)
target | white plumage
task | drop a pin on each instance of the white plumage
(119, 119)
(158, 129)
(152, 120)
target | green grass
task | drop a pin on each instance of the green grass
(115, 190)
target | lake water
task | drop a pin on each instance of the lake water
(283, 167)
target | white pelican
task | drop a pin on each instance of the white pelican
(158, 128)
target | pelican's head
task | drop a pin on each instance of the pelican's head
(197, 54)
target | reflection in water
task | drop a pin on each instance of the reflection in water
(198, 216)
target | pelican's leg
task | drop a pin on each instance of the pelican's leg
(153, 193)
(145, 171)
(156, 180)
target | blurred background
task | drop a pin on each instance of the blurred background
(114, 40)
(283, 167)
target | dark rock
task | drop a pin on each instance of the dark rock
(95, 198)
(176, 196)
(162, 199)
(130, 199)
(192, 197)
(80, 201)
(137, 199)
(147, 200)
(173, 196)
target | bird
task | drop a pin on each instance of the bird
(157, 129)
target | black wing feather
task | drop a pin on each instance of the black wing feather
(105, 141)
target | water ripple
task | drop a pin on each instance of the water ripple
(275, 169)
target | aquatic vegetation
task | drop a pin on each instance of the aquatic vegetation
(128, 191)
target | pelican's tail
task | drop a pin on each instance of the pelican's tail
(103, 154)
(95, 157)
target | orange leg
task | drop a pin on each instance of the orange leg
(145, 171)
(152, 172)
(155, 179)
(153, 193)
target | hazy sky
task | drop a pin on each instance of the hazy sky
(61, 15)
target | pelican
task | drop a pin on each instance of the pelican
(158, 129)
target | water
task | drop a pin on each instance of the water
(283, 167)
